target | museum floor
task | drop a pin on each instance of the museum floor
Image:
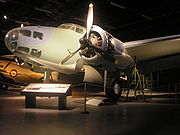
(159, 116)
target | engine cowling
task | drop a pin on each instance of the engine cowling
(117, 45)
(103, 40)
(97, 37)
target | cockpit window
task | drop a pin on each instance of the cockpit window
(25, 33)
(36, 52)
(38, 35)
(72, 28)
(11, 39)
(79, 30)
(24, 49)
(65, 26)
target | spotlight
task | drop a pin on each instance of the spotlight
(5, 17)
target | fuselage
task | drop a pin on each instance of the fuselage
(47, 43)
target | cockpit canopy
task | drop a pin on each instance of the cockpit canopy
(74, 27)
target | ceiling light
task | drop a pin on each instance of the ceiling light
(5, 17)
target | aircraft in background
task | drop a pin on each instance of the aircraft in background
(90, 53)
(12, 75)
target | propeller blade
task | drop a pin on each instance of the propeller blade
(70, 55)
(89, 19)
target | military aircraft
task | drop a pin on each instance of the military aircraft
(13, 75)
(92, 51)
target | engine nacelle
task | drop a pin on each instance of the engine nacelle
(97, 37)
(103, 40)
(118, 45)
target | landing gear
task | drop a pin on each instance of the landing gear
(115, 91)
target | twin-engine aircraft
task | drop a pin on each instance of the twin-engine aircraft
(92, 51)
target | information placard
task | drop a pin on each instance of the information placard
(47, 87)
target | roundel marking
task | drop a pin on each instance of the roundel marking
(13, 73)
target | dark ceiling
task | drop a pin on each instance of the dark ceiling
(125, 19)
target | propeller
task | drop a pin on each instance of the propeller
(86, 43)
(89, 26)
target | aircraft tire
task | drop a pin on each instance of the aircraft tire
(115, 91)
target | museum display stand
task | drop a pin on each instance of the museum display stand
(34, 90)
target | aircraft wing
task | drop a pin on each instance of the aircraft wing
(156, 53)
(7, 57)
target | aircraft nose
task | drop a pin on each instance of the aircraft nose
(11, 39)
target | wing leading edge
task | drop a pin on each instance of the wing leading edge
(156, 53)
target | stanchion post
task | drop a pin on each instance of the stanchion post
(169, 87)
(85, 96)
(175, 93)
(176, 107)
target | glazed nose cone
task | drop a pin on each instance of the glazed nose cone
(11, 39)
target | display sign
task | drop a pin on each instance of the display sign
(47, 87)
